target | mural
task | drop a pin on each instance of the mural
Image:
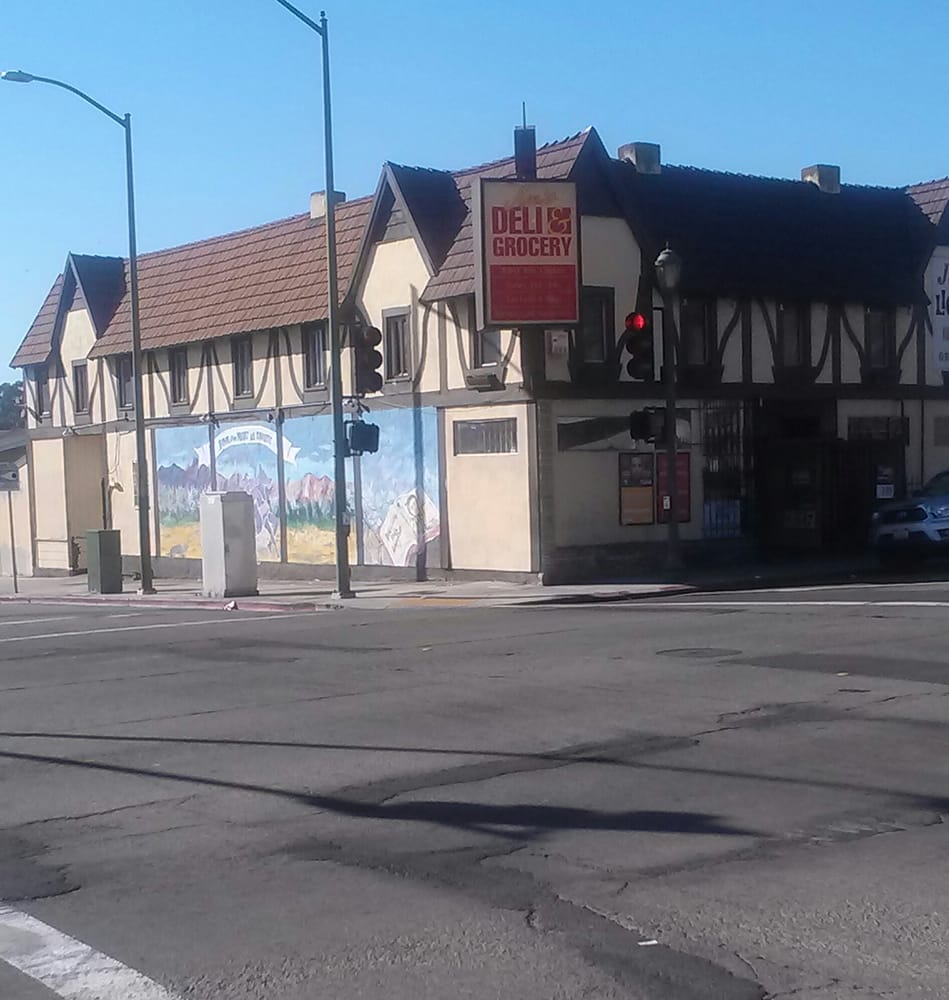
(184, 473)
(399, 515)
(246, 459)
(311, 493)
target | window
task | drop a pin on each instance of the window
(314, 355)
(80, 387)
(397, 346)
(485, 348)
(178, 366)
(879, 338)
(596, 333)
(124, 387)
(794, 340)
(698, 332)
(242, 360)
(41, 378)
(486, 437)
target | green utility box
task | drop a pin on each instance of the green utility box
(104, 559)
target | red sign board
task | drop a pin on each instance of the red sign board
(527, 252)
(683, 485)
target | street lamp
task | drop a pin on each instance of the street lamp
(668, 268)
(343, 582)
(141, 452)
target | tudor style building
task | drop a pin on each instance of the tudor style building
(809, 382)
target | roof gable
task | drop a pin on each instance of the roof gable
(37, 345)
(555, 161)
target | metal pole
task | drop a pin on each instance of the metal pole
(12, 539)
(673, 550)
(343, 588)
(141, 456)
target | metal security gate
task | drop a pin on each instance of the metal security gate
(727, 474)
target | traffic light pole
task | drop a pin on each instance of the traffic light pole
(343, 584)
(343, 577)
(673, 547)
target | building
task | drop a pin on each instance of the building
(809, 382)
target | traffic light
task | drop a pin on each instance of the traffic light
(361, 438)
(648, 424)
(639, 343)
(368, 360)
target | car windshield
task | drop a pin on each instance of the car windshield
(938, 486)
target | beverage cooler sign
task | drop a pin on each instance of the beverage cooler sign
(527, 252)
(683, 485)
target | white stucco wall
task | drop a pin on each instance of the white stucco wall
(489, 511)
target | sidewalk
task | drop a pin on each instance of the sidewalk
(291, 595)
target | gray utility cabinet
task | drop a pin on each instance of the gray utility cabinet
(104, 561)
(228, 545)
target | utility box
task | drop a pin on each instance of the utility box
(228, 545)
(104, 561)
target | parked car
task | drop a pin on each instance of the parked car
(911, 529)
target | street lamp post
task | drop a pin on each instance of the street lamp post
(668, 268)
(343, 577)
(141, 452)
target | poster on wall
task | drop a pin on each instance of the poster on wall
(939, 307)
(399, 490)
(683, 485)
(636, 485)
(527, 252)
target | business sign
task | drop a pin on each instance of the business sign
(527, 253)
(939, 307)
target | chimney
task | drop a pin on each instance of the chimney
(825, 176)
(525, 153)
(644, 156)
(318, 203)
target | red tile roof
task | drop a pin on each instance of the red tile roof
(271, 275)
(555, 160)
(932, 198)
(38, 341)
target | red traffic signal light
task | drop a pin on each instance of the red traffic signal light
(368, 360)
(639, 343)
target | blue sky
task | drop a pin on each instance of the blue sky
(225, 98)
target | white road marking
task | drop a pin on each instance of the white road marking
(142, 628)
(37, 621)
(68, 967)
(788, 604)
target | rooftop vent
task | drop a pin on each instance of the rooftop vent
(318, 203)
(644, 156)
(825, 176)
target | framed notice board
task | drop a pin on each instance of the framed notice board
(637, 477)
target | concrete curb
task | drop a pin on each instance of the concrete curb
(168, 604)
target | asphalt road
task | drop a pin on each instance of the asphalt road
(732, 796)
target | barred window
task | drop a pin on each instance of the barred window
(242, 359)
(314, 355)
(125, 389)
(486, 437)
(178, 363)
